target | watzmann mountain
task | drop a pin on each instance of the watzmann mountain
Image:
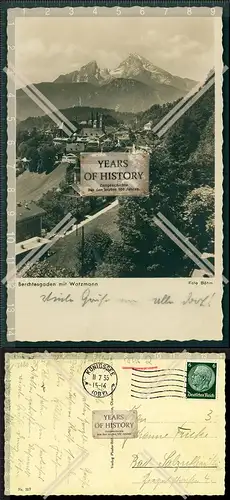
(134, 86)
(89, 73)
(133, 67)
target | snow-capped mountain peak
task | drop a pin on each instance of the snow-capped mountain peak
(135, 67)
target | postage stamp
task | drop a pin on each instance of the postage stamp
(113, 212)
(121, 424)
(100, 380)
(201, 380)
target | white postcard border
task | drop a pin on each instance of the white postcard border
(168, 327)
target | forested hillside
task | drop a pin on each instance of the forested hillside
(110, 116)
(181, 188)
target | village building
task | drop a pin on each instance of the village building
(28, 221)
(93, 145)
(148, 126)
(94, 128)
(60, 140)
(202, 273)
(74, 190)
(107, 144)
(91, 132)
(76, 146)
(61, 136)
(123, 138)
(110, 131)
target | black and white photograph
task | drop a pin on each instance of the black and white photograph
(131, 86)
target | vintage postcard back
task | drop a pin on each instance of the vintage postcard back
(114, 423)
(115, 173)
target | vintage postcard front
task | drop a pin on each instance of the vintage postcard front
(115, 423)
(115, 173)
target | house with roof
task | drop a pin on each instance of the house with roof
(93, 145)
(148, 126)
(78, 145)
(110, 131)
(61, 136)
(92, 132)
(205, 273)
(94, 128)
(122, 136)
(107, 144)
(28, 221)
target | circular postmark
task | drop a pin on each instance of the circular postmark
(99, 380)
(201, 378)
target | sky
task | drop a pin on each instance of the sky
(49, 46)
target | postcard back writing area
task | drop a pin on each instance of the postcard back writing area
(114, 233)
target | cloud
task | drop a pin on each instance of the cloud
(45, 48)
(149, 37)
(177, 47)
(33, 48)
(185, 42)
